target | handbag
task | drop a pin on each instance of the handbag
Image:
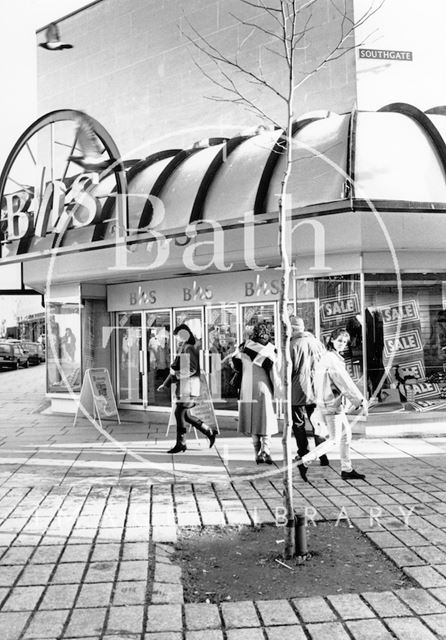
(188, 387)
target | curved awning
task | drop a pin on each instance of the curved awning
(394, 157)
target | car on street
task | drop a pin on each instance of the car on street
(34, 351)
(12, 355)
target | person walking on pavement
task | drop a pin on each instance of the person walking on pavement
(185, 374)
(333, 386)
(306, 350)
(256, 361)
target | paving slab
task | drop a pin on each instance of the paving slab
(275, 612)
(410, 629)
(202, 616)
(240, 614)
(368, 630)
(324, 630)
(314, 609)
(386, 604)
(349, 606)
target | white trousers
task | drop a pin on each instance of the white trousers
(262, 444)
(339, 432)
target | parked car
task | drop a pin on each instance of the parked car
(34, 350)
(12, 355)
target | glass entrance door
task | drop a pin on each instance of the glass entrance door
(222, 341)
(158, 337)
(130, 358)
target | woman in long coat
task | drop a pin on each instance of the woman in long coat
(256, 362)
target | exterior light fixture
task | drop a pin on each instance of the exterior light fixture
(52, 39)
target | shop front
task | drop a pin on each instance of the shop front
(396, 355)
(191, 237)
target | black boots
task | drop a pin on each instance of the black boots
(178, 448)
(263, 458)
(303, 469)
(324, 461)
(207, 431)
(352, 475)
(211, 437)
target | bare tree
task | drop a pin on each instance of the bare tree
(286, 28)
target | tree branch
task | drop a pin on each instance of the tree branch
(255, 26)
(217, 57)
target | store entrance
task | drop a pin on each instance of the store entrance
(145, 350)
(158, 336)
(130, 360)
(143, 358)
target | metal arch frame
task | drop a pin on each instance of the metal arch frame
(52, 117)
(272, 160)
(425, 123)
(161, 180)
(349, 191)
(211, 173)
(180, 157)
(440, 110)
(134, 170)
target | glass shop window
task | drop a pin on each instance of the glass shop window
(406, 340)
(339, 302)
(63, 347)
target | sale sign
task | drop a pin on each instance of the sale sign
(339, 308)
(403, 346)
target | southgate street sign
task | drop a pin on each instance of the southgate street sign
(386, 54)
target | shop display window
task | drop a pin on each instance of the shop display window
(339, 302)
(130, 357)
(406, 340)
(63, 347)
(96, 332)
(254, 314)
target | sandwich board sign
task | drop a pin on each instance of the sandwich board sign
(203, 409)
(96, 397)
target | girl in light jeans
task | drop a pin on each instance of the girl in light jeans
(333, 386)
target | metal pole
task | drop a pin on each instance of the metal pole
(300, 533)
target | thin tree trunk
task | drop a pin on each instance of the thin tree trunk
(286, 362)
(289, 548)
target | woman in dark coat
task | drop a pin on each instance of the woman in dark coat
(185, 374)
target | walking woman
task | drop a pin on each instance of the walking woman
(256, 361)
(333, 386)
(185, 374)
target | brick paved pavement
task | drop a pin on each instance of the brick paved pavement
(87, 531)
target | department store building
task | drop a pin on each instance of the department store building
(183, 227)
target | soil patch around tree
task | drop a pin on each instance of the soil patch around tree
(245, 563)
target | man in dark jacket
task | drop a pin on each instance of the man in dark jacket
(305, 351)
